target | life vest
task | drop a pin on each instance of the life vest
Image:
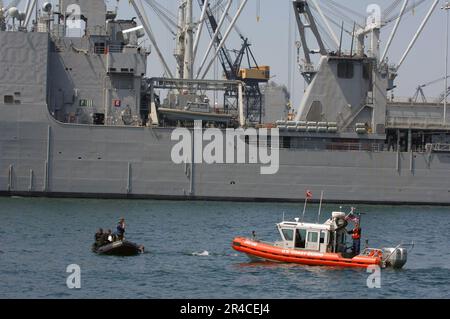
(356, 233)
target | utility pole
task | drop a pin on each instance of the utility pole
(446, 8)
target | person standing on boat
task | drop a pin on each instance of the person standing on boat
(356, 236)
(121, 229)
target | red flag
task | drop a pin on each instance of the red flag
(309, 194)
(353, 218)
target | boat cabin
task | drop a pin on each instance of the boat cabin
(329, 237)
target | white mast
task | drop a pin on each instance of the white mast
(2, 17)
(446, 8)
(200, 29)
(189, 41)
(225, 37)
(180, 50)
(214, 37)
(145, 23)
(327, 23)
(29, 13)
(394, 31)
(419, 31)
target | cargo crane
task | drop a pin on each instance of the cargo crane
(251, 76)
(420, 93)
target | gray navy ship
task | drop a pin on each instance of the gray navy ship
(80, 115)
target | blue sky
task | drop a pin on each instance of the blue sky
(269, 38)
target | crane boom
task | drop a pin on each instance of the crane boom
(224, 55)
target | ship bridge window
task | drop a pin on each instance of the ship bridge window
(286, 142)
(8, 99)
(367, 71)
(123, 83)
(345, 70)
(99, 48)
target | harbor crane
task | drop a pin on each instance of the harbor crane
(252, 76)
(420, 94)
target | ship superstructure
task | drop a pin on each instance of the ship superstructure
(81, 114)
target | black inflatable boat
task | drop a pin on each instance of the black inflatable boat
(119, 248)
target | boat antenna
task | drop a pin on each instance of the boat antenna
(320, 207)
(307, 196)
(353, 209)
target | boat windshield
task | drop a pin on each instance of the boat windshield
(288, 234)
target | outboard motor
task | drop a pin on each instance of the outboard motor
(395, 257)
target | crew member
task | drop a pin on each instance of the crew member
(107, 237)
(356, 236)
(121, 229)
(99, 237)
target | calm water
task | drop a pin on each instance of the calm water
(189, 253)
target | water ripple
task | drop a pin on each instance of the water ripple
(189, 252)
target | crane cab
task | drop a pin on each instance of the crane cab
(259, 74)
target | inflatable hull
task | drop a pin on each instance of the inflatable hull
(264, 251)
(120, 248)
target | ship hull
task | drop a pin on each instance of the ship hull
(42, 157)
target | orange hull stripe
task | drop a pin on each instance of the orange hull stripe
(276, 254)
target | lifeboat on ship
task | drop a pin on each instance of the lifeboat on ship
(318, 245)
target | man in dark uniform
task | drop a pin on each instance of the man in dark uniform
(107, 237)
(121, 229)
(98, 238)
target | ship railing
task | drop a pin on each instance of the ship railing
(415, 121)
(115, 48)
(410, 101)
(376, 148)
(60, 47)
(351, 147)
(334, 147)
(439, 147)
(307, 68)
(419, 149)
(99, 50)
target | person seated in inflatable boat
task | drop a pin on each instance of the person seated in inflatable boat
(98, 237)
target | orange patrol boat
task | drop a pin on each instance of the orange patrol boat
(319, 245)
